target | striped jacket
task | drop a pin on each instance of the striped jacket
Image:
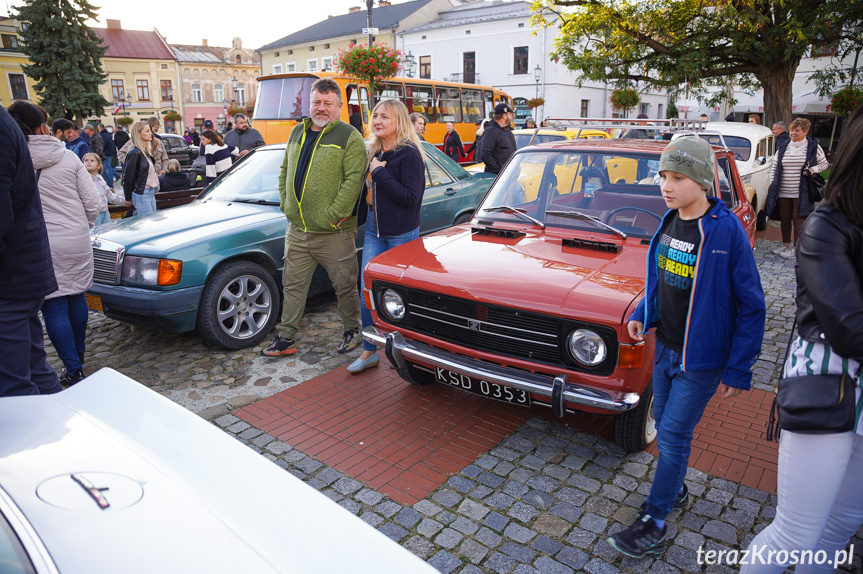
(219, 159)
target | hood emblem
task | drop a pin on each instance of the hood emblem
(473, 325)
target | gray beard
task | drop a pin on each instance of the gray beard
(320, 123)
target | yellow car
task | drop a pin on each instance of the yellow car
(545, 135)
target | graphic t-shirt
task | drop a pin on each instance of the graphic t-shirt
(677, 259)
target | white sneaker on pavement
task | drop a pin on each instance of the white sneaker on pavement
(780, 250)
(788, 253)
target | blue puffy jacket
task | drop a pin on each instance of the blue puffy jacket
(725, 323)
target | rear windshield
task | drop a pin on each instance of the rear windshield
(741, 147)
(284, 98)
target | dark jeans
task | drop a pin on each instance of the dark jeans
(24, 367)
(679, 400)
(66, 324)
(788, 216)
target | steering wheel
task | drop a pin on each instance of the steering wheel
(614, 212)
(738, 157)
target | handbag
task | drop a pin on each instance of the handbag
(816, 185)
(813, 404)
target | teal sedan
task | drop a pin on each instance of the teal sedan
(215, 265)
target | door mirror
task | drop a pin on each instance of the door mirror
(761, 160)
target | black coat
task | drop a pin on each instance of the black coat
(121, 138)
(135, 173)
(108, 144)
(174, 181)
(498, 145)
(452, 145)
(830, 282)
(782, 141)
(26, 271)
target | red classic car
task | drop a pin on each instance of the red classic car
(528, 302)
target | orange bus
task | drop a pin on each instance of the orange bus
(283, 99)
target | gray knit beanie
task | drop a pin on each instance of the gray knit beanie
(692, 157)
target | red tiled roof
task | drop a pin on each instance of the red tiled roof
(133, 44)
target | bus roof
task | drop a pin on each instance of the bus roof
(338, 75)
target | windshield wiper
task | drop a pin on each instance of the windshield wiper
(256, 201)
(580, 215)
(520, 212)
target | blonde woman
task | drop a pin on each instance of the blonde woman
(140, 180)
(395, 182)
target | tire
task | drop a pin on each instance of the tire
(761, 218)
(463, 218)
(636, 429)
(239, 306)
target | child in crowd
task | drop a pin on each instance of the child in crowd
(93, 165)
(174, 179)
(704, 296)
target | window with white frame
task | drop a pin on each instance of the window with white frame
(644, 109)
(585, 108)
(290, 67)
(327, 63)
(312, 65)
(219, 93)
(196, 93)
(240, 94)
(277, 68)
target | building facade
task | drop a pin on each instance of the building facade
(492, 43)
(315, 48)
(143, 76)
(216, 80)
(14, 84)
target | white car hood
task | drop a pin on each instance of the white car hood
(187, 497)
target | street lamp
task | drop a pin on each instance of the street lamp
(369, 10)
(410, 63)
(536, 74)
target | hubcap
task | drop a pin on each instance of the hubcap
(244, 307)
(649, 424)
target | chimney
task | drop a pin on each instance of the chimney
(354, 9)
(113, 24)
(204, 42)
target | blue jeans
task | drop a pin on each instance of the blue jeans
(679, 400)
(145, 203)
(372, 247)
(66, 324)
(24, 368)
(108, 173)
(103, 218)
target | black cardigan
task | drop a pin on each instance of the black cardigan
(398, 190)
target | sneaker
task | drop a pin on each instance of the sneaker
(350, 341)
(280, 346)
(779, 250)
(640, 539)
(68, 379)
(789, 253)
(681, 502)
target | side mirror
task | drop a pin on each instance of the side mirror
(761, 160)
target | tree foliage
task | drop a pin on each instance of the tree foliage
(65, 56)
(699, 43)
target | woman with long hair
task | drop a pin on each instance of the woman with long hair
(818, 481)
(395, 182)
(140, 180)
(788, 194)
(218, 155)
(70, 204)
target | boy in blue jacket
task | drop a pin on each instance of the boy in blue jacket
(703, 295)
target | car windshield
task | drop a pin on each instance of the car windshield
(604, 191)
(255, 178)
(522, 140)
(741, 147)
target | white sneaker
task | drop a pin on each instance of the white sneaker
(780, 250)
(789, 253)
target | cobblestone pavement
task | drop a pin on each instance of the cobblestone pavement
(544, 500)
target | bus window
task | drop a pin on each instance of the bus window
(472, 102)
(388, 90)
(269, 96)
(364, 103)
(295, 98)
(419, 99)
(489, 103)
(449, 105)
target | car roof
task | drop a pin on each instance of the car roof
(567, 132)
(609, 145)
(747, 130)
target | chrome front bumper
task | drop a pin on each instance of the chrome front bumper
(558, 390)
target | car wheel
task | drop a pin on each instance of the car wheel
(636, 429)
(760, 219)
(239, 306)
(463, 218)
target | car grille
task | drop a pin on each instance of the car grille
(500, 330)
(106, 262)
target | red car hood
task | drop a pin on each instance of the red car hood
(533, 272)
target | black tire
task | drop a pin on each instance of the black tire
(636, 429)
(760, 219)
(239, 306)
(463, 218)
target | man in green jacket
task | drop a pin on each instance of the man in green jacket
(319, 190)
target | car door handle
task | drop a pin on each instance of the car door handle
(450, 191)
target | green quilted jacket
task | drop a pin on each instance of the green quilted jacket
(333, 182)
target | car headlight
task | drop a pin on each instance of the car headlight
(393, 304)
(151, 271)
(587, 347)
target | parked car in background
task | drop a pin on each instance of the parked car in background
(179, 150)
(109, 476)
(215, 264)
(525, 137)
(528, 303)
(754, 148)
